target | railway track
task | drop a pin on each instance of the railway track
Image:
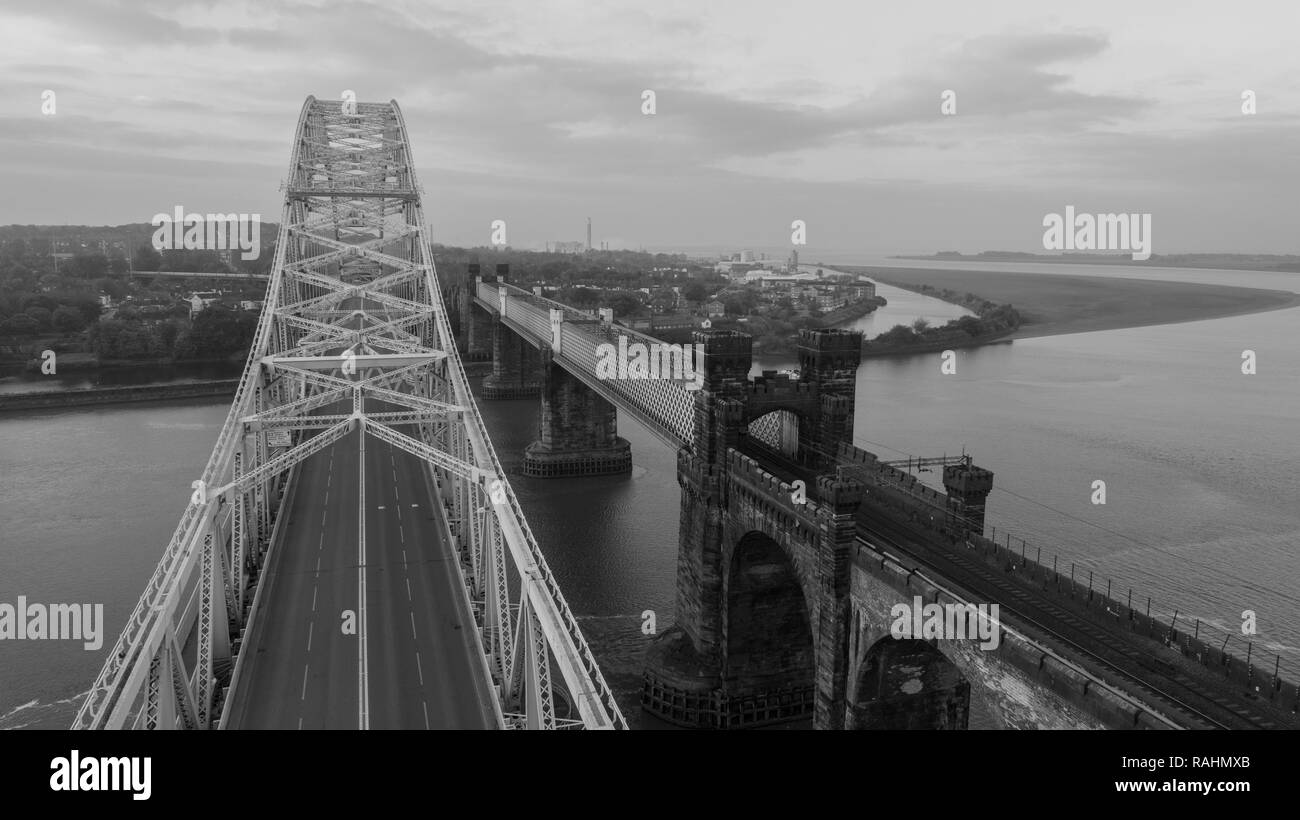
(1129, 668)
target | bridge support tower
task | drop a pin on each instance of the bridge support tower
(476, 324)
(578, 430)
(515, 363)
(763, 574)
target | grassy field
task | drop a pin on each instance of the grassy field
(1054, 304)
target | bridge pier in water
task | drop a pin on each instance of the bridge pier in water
(515, 363)
(476, 332)
(578, 430)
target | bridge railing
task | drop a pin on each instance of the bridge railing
(1237, 657)
(662, 402)
(586, 681)
(143, 628)
(570, 623)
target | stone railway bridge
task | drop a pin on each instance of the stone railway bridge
(785, 574)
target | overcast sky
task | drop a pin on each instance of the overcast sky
(766, 112)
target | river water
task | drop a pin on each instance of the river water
(1202, 510)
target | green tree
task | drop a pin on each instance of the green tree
(695, 291)
(68, 320)
(40, 315)
(146, 258)
(115, 288)
(87, 266)
(20, 326)
(625, 304)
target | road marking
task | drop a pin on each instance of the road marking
(304, 683)
(363, 671)
(408, 589)
(426, 723)
(313, 598)
(419, 669)
(318, 565)
(423, 706)
(403, 558)
(310, 625)
(401, 533)
(414, 637)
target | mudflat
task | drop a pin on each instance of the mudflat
(1055, 304)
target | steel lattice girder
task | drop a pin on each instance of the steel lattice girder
(329, 148)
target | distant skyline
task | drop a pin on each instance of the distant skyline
(531, 112)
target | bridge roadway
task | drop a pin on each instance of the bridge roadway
(422, 664)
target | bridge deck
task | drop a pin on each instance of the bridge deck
(423, 667)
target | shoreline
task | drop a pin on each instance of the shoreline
(1033, 330)
(1060, 304)
(59, 399)
(1288, 263)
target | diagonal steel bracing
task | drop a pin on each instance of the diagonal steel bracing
(353, 314)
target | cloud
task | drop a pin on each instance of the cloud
(535, 109)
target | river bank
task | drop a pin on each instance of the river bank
(45, 399)
(1057, 304)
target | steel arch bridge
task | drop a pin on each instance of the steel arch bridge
(353, 322)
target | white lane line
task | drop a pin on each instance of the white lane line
(304, 683)
(318, 565)
(401, 533)
(313, 598)
(419, 669)
(403, 558)
(363, 670)
(408, 589)
(309, 631)
(413, 635)
(423, 706)
(426, 722)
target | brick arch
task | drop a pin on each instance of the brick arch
(769, 613)
(906, 684)
(871, 620)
